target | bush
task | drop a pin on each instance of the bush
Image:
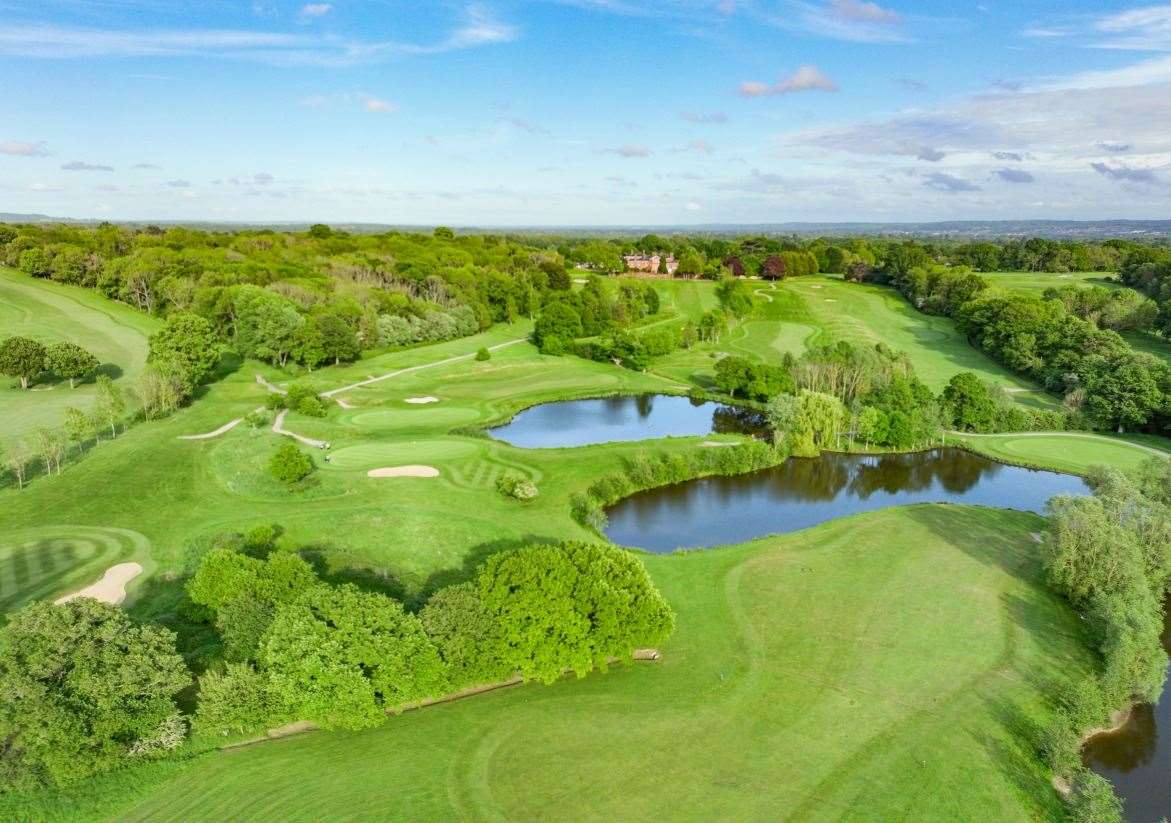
(290, 465)
(1093, 800)
(482, 354)
(225, 575)
(517, 487)
(572, 607)
(311, 407)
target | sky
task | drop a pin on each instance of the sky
(585, 112)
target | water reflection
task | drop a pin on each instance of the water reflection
(803, 492)
(1133, 759)
(624, 417)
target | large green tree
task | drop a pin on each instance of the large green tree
(70, 361)
(969, 404)
(22, 357)
(83, 688)
(188, 346)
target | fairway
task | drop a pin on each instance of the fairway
(1074, 452)
(878, 667)
(51, 312)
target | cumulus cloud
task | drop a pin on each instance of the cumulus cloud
(1014, 176)
(629, 150)
(806, 78)
(79, 165)
(1125, 173)
(21, 149)
(697, 117)
(948, 183)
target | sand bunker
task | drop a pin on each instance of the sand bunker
(715, 444)
(345, 404)
(815, 287)
(111, 588)
(404, 471)
(418, 401)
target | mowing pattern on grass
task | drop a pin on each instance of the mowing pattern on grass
(39, 562)
(881, 667)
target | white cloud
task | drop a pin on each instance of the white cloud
(311, 11)
(378, 106)
(862, 12)
(693, 206)
(701, 146)
(629, 150)
(21, 149)
(478, 28)
(1125, 173)
(850, 20)
(941, 181)
(806, 78)
(1143, 29)
(698, 117)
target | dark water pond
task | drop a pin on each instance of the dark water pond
(1135, 760)
(803, 492)
(625, 417)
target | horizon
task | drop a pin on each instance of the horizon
(586, 113)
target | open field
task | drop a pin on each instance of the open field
(883, 666)
(50, 312)
(1037, 282)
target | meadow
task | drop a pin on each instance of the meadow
(918, 700)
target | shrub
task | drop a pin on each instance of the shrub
(482, 354)
(1093, 800)
(225, 575)
(289, 464)
(311, 407)
(572, 607)
(516, 487)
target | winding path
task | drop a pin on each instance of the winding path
(1079, 435)
(278, 426)
(388, 375)
(262, 380)
(224, 429)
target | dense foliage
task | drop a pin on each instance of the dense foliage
(84, 689)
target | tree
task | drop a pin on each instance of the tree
(735, 296)
(70, 361)
(572, 607)
(289, 464)
(110, 404)
(807, 422)
(266, 325)
(22, 357)
(559, 320)
(338, 341)
(17, 459)
(969, 404)
(469, 639)
(225, 575)
(187, 347)
(86, 689)
(161, 391)
(732, 373)
(50, 448)
(79, 426)
(341, 658)
(483, 355)
(231, 702)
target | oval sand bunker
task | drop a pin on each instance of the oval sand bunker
(421, 400)
(404, 471)
(111, 588)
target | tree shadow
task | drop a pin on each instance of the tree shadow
(110, 370)
(1017, 758)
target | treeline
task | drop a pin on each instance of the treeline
(1093, 369)
(778, 257)
(91, 690)
(1110, 555)
(309, 297)
(1149, 271)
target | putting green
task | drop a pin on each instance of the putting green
(1073, 452)
(412, 417)
(374, 455)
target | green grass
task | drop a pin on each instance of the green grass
(886, 666)
(1074, 452)
(1037, 282)
(52, 312)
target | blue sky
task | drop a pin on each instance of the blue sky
(585, 111)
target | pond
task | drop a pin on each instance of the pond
(623, 418)
(1134, 759)
(803, 492)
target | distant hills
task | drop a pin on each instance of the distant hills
(990, 229)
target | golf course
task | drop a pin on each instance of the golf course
(894, 664)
